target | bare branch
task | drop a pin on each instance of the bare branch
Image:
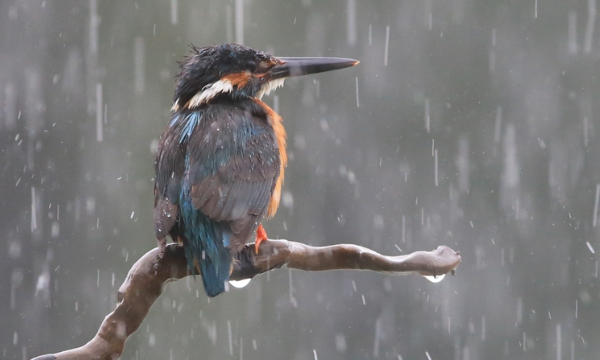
(148, 275)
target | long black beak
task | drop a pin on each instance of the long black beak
(296, 66)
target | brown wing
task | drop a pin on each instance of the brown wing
(169, 168)
(233, 168)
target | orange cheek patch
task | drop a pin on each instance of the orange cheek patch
(240, 79)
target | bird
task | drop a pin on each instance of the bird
(220, 162)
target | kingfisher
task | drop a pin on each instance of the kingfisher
(220, 162)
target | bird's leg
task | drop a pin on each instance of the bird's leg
(261, 235)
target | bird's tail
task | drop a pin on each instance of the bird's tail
(216, 269)
(207, 242)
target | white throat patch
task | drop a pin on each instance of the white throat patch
(270, 86)
(209, 92)
(223, 86)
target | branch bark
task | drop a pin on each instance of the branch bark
(150, 273)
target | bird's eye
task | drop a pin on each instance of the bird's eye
(251, 65)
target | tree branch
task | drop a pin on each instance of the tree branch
(148, 275)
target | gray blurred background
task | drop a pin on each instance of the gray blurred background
(467, 123)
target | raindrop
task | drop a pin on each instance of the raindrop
(351, 177)
(99, 117)
(590, 247)
(586, 131)
(351, 21)
(436, 167)
(55, 230)
(72, 82)
(589, 27)
(90, 205)
(435, 279)
(519, 309)
(211, 330)
(293, 300)
(153, 148)
(276, 103)
(558, 342)
(377, 337)
(510, 175)
(403, 229)
(139, 61)
(498, 125)
(428, 15)
(14, 249)
(16, 279)
(572, 33)
(357, 101)
(230, 339)
(229, 23)
(324, 125)
(427, 117)
(287, 199)
(94, 23)
(42, 286)
(387, 45)
(239, 283)
(595, 218)
(33, 210)
(378, 223)
(173, 12)
(483, 328)
(572, 350)
(299, 142)
(462, 163)
(239, 22)
(493, 51)
(340, 343)
(10, 106)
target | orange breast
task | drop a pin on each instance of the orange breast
(276, 122)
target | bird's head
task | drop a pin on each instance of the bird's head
(238, 71)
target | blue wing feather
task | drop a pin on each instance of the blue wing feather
(207, 244)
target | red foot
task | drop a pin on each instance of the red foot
(261, 235)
